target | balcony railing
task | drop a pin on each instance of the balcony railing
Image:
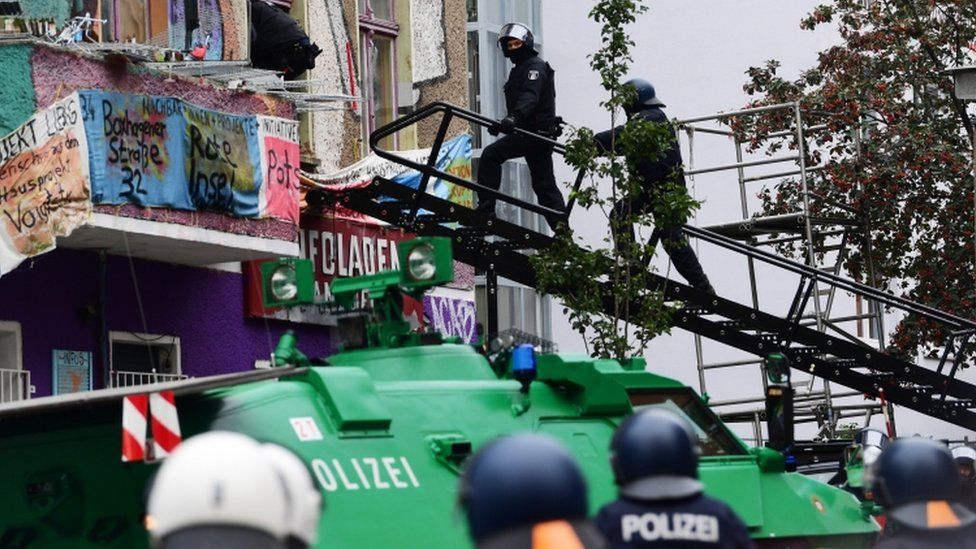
(121, 378)
(14, 385)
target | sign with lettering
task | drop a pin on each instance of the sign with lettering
(278, 139)
(163, 152)
(44, 182)
(337, 248)
(71, 371)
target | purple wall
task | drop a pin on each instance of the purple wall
(55, 298)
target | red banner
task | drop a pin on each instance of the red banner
(337, 248)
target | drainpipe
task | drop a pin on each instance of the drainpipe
(102, 320)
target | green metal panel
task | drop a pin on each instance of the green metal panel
(351, 398)
(17, 99)
(391, 428)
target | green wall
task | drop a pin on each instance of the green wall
(17, 93)
(59, 10)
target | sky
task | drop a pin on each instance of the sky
(696, 53)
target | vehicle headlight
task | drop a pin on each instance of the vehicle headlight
(284, 284)
(420, 262)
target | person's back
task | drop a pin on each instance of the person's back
(917, 483)
(910, 538)
(530, 93)
(696, 521)
(667, 167)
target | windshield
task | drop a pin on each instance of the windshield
(714, 438)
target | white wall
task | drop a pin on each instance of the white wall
(696, 53)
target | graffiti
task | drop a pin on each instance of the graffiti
(429, 44)
(279, 149)
(453, 317)
(44, 182)
(163, 152)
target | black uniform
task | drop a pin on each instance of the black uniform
(910, 538)
(656, 173)
(278, 43)
(530, 97)
(696, 521)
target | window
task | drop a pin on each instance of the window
(14, 381)
(137, 359)
(378, 32)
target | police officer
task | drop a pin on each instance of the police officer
(656, 173)
(278, 43)
(654, 457)
(530, 97)
(965, 458)
(218, 490)
(917, 483)
(526, 491)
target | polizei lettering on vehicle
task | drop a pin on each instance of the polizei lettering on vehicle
(366, 473)
(676, 526)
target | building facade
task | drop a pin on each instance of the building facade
(193, 162)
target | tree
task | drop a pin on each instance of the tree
(896, 147)
(608, 293)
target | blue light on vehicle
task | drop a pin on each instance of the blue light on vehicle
(523, 365)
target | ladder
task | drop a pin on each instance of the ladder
(824, 242)
(502, 248)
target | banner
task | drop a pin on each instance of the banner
(44, 182)
(278, 139)
(454, 158)
(337, 248)
(162, 152)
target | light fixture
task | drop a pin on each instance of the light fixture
(284, 286)
(421, 262)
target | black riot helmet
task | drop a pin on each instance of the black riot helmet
(917, 482)
(515, 31)
(520, 480)
(654, 456)
(646, 95)
(965, 458)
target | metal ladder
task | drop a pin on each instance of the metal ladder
(825, 243)
(503, 249)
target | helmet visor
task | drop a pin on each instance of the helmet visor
(517, 31)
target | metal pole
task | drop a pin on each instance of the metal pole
(491, 297)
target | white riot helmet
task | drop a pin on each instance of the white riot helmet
(305, 501)
(218, 490)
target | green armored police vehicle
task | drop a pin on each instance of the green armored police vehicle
(385, 426)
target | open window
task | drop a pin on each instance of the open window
(138, 359)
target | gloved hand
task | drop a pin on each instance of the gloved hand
(505, 125)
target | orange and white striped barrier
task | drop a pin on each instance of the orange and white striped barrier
(165, 423)
(156, 411)
(134, 414)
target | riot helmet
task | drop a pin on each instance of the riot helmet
(654, 456)
(217, 490)
(515, 31)
(965, 458)
(646, 96)
(518, 481)
(917, 482)
(305, 501)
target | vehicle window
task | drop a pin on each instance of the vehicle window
(714, 438)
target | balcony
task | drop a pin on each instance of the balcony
(14, 385)
(121, 378)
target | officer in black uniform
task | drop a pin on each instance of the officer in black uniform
(917, 483)
(965, 457)
(654, 457)
(646, 106)
(526, 491)
(530, 97)
(278, 43)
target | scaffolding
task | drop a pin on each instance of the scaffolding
(826, 243)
